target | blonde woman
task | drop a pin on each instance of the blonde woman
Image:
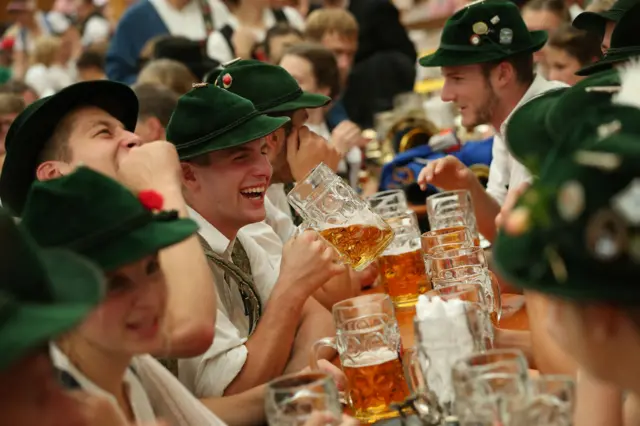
(48, 73)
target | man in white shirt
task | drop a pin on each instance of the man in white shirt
(486, 58)
(267, 319)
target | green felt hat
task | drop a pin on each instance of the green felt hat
(30, 131)
(582, 240)
(549, 122)
(209, 118)
(595, 22)
(43, 292)
(95, 216)
(625, 43)
(484, 31)
(270, 87)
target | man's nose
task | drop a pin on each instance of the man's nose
(131, 140)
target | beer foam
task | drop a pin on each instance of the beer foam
(398, 250)
(370, 358)
(436, 307)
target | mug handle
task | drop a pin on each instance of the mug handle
(412, 370)
(496, 303)
(319, 344)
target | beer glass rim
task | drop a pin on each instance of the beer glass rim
(385, 193)
(465, 288)
(516, 353)
(448, 193)
(366, 299)
(276, 385)
(434, 250)
(439, 232)
(447, 254)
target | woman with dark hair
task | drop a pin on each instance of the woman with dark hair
(568, 50)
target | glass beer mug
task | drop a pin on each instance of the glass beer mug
(333, 209)
(368, 342)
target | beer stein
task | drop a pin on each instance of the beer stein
(551, 402)
(390, 203)
(368, 343)
(402, 268)
(333, 209)
(490, 387)
(290, 400)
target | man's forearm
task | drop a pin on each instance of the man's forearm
(192, 301)
(242, 409)
(270, 345)
(486, 208)
(316, 323)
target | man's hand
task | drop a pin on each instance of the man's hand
(346, 135)
(502, 220)
(306, 149)
(154, 165)
(447, 173)
(307, 264)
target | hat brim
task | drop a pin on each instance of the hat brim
(142, 242)
(306, 100)
(256, 127)
(591, 22)
(527, 135)
(77, 287)
(451, 58)
(606, 63)
(21, 161)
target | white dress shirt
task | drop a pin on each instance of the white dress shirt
(210, 374)
(272, 233)
(506, 172)
(218, 48)
(187, 22)
(138, 400)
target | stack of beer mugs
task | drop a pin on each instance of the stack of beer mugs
(403, 273)
(452, 248)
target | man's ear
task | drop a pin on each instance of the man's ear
(155, 128)
(52, 170)
(189, 176)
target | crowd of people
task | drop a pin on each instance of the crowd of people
(154, 269)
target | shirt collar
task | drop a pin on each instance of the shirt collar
(538, 86)
(216, 240)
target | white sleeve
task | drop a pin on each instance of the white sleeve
(220, 13)
(18, 41)
(96, 30)
(218, 48)
(210, 373)
(499, 175)
(294, 18)
(38, 78)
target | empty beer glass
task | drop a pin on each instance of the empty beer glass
(368, 342)
(551, 402)
(290, 400)
(402, 268)
(490, 387)
(333, 209)
(388, 203)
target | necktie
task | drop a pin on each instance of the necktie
(238, 270)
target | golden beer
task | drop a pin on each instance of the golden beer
(374, 384)
(404, 276)
(358, 244)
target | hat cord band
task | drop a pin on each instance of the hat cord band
(272, 103)
(218, 132)
(620, 50)
(460, 48)
(119, 230)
